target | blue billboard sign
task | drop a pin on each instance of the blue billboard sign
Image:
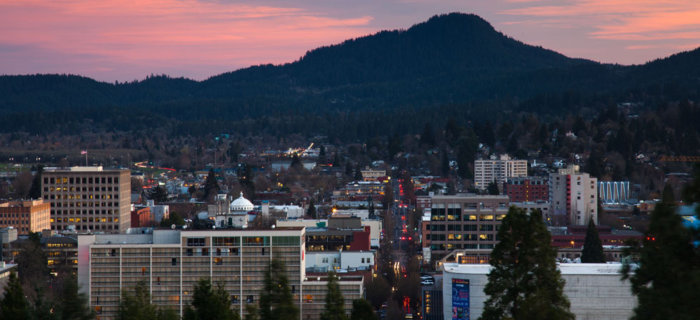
(460, 299)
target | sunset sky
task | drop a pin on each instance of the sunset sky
(129, 39)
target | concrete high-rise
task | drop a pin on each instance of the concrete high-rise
(89, 198)
(171, 262)
(573, 196)
(497, 170)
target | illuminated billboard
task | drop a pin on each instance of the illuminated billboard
(460, 299)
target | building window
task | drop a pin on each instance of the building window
(250, 299)
(173, 261)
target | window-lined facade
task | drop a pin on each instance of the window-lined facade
(89, 198)
(237, 259)
(463, 222)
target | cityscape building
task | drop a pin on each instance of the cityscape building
(26, 215)
(573, 196)
(172, 261)
(89, 198)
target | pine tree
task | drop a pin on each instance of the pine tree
(14, 305)
(137, 305)
(210, 303)
(592, 246)
(158, 194)
(362, 310)
(276, 300)
(668, 272)
(311, 211)
(73, 304)
(492, 188)
(211, 186)
(524, 282)
(32, 266)
(334, 308)
(35, 190)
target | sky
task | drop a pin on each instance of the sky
(126, 40)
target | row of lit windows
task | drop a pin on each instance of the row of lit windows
(89, 219)
(84, 212)
(469, 217)
(84, 196)
(460, 237)
(80, 180)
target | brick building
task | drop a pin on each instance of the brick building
(26, 215)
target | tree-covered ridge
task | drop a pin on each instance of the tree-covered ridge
(454, 59)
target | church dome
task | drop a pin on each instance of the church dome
(241, 204)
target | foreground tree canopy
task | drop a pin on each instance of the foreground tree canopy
(667, 279)
(524, 282)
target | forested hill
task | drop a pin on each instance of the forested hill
(454, 59)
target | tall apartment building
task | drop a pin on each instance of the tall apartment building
(89, 198)
(172, 261)
(26, 215)
(497, 170)
(527, 189)
(573, 196)
(462, 221)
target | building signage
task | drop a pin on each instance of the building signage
(460, 299)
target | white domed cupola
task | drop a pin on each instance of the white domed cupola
(241, 205)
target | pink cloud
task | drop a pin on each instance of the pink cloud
(172, 32)
(637, 20)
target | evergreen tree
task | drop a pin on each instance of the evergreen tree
(668, 272)
(296, 163)
(73, 304)
(524, 282)
(371, 214)
(466, 151)
(362, 310)
(211, 187)
(35, 189)
(43, 308)
(137, 305)
(276, 300)
(334, 308)
(592, 246)
(158, 194)
(210, 303)
(32, 265)
(358, 173)
(311, 211)
(445, 164)
(14, 305)
(492, 188)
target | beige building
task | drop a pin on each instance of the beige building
(89, 198)
(573, 196)
(462, 221)
(497, 170)
(372, 174)
(26, 215)
(172, 261)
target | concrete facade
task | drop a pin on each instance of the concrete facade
(594, 290)
(462, 221)
(497, 170)
(573, 196)
(89, 198)
(172, 261)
